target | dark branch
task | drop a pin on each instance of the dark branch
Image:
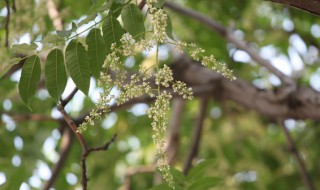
(103, 147)
(196, 135)
(174, 129)
(69, 98)
(6, 26)
(294, 150)
(312, 6)
(66, 144)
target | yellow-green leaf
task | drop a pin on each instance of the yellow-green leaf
(24, 48)
(55, 74)
(78, 65)
(7, 64)
(30, 78)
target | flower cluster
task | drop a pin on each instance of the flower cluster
(159, 23)
(208, 61)
(164, 76)
(159, 113)
(182, 89)
(128, 45)
(136, 88)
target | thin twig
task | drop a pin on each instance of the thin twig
(103, 147)
(86, 153)
(66, 143)
(6, 26)
(32, 117)
(65, 101)
(294, 150)
(196, 135)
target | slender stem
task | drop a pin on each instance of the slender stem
(294, 150)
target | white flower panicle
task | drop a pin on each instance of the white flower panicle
(208, 61)
(159, 23)
(158, 112)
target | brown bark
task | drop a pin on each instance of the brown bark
(303, 103)
(312, 6)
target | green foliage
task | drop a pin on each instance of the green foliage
(78, 65)
(24, 48)
(112, 31)
(7, 64)
(96, 51)
(133, 21)
(56, 77)
(197, 178)
(30, 78)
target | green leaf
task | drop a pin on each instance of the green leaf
(159, 4)
(52, 39)
(67, 33)
(96, 51)
(169, 28)
(25, 48)
(199, 170)
(7, 64)
(112, 31)
(116, 8)
(205, 183)
(78, 65)
(30, 78)
(132, 19)
(55, 74)
(177, 175)
(88, 19)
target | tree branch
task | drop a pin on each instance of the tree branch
(172, 145)
(225, 33)
(196, 135)
(312, 6)
(66, 144)
(6, 26)
(294, 150)
(54, 15)
(69, 98)
(303, 103)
